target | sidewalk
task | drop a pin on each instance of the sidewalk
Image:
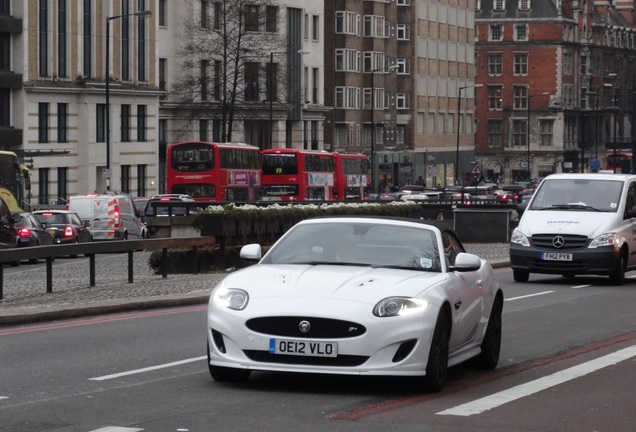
(26, 300)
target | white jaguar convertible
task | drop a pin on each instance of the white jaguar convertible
(357, 295)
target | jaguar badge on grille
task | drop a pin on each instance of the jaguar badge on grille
(304, 326)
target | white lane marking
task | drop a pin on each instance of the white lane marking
(529, 295)
(4, 397)
(493, 401)
(148, 369)
(580, 286)
(116, 429)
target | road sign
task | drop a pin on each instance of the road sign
(476, 170)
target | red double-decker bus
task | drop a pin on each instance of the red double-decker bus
(352, 176)
(210, 171)
(621, 161)
(302, 175)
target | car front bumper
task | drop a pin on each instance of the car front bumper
(598, 261)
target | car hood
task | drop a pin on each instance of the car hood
(360, 284)
(586, 223)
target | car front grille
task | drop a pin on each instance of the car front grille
(318, 328)
(570, 242)
(340, 360)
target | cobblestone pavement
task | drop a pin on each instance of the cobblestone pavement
(25, 298)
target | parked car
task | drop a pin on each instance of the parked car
(31, 232)
(159, 211)
(357, 295)
(65, 226)
(140, 205)
(481, 192)
(111, 216)
(510, 194)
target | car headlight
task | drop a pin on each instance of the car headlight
(608, 239)
(399, 306)
(232, 298)
(519, 238)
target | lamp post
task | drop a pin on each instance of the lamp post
(528, 132)
(373, 179)
(140, 14)
(459, 124)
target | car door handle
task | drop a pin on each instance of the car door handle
(458, 304)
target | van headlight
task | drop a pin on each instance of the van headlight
(608, 239)
(519, 238)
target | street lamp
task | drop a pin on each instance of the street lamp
(528, 132)
(385, 69)
(459, 124)
(140, 14)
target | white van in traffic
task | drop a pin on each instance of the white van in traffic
(577, 224)
(111, 217)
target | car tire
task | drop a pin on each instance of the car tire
(226, 374)
(521, 275)
(437, 364)
(491, 345)
(617, 277)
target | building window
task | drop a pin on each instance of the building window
(315, 27)
(499, 5)
(403, 2)
(43, 122)
(524, 5)
(568, 96)
(402, 101)
(568, 63)
(494, 97)
(520, 95)
(142, 73)
(163, 22)
(62, 122)
(141, 180)
(61, 39)
(521, 64)
(251, 82)
(5, 107)
(43, 38)
(496, 32)
(100, 133)
(495, 64)
(519, 132)
(125, 123)
(125, 178)
(203, 73)
(348, 97)
(204, 13)
(250, 12)
(348, 23)
(62, 184)
(546, 127)
(403, 32)
(315, 85)
(218, 70)
(494, 133)
(271, 19)
(203, 130)
(86, 38)
(5, 52)
(125, 40)
(521, 32)
(347, 60)
(163, 73)
(404, 66)
(141, 123)
(43, 186)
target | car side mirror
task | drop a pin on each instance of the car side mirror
(87, 224)
(17, 217)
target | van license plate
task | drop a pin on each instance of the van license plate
(303, 348)
(556, 256)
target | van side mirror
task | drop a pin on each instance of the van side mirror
(521, 207)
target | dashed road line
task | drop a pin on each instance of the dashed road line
(529, 295)
(495, 400)
(116, 429)
(148, 369)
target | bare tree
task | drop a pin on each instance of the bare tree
(225, 51)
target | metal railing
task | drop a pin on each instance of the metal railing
(106, 247)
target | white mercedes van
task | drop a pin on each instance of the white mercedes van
(111, 217)
(577, 224)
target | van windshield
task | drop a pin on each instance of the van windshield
(578, 194)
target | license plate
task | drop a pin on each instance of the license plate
(556, 256)
(303, 348)
(52, 231)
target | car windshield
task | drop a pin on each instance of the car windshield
(358, 244)
(578, 194)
